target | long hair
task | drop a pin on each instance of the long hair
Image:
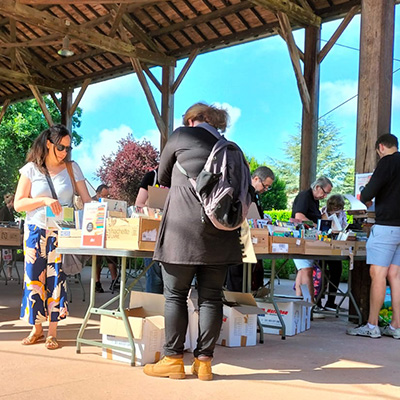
(216, 117)
(39, 151)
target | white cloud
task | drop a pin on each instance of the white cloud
(234, 115)
(88, 154)
(396, 97)
(104, 91)
(333, 94)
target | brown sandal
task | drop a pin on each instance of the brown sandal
(32, 339)
(51, 343)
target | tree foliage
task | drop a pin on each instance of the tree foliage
(21, 124)
(331, 161)
(275, 198)
(124, 170)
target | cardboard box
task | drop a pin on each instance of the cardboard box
(260, 239)
(239, 325)
(342, 247)
(69, 238)
(137, 233)
(157, 197)
(280, 244)
(293, 312)
(317, 247)
(361, 248)
(10, 237)
(146, 319)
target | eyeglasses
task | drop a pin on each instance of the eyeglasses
(325, 193)
(61, 147)
(266, 187)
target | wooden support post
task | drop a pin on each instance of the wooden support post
(309, 126)
(167, 103)
(4, 109)
(375, 79)
(374, 106)
(66, 102)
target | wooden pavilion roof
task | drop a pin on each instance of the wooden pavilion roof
(106, 35)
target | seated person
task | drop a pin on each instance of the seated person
(103, 192)
(334, 205)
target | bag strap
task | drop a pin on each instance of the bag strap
(50, 182)
(71, 176)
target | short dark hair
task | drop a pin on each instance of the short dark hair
(388, 140)
(263, 173)
(101, 187)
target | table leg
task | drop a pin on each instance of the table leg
(90, 306)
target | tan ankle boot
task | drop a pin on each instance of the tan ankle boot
(202, 369)
(167, 367)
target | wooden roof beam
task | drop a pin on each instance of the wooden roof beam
(44, 20)
(74, 106)
(4, 109)
(94, 2)
(294, 56)
(340, 29)
(296, 13)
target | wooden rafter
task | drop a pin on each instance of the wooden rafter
(184, 70)
(340, 29)
(117, 14)
(92, 2)
(45, 20)
(4, 108)
(147, 91)
(85, 85)
(55, 99)
(293, 11)
(294, 56)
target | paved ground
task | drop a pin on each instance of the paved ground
(320, 363)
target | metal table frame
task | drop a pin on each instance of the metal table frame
(121, 297)
(284, 256)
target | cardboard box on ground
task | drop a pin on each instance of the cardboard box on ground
(295, 312)
(10, 237)
(146, 319)
(239, 325)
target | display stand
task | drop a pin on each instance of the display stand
(121, 297)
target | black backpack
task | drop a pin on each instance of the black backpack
(224, 185)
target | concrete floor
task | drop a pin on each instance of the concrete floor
(321, 363)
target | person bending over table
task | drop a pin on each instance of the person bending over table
(306, 208)
(45, 296)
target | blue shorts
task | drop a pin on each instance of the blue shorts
(302, 264)
(383, 246)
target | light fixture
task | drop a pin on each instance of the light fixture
(65, 51)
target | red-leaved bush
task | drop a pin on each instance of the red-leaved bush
(124, 170)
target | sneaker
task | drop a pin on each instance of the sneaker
(202, 369)
(394, 333)
(169, 367)
(330, 307)
(364, 330)
(99, 288)
(316, 313)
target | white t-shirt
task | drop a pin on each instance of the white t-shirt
(40, 188)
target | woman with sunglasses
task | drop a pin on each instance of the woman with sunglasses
(44, 297)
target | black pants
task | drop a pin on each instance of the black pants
(335, 271)
(177, 281)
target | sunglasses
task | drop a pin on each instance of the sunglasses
(61, 147)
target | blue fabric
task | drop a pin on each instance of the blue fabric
(154, 281)
(45, 292)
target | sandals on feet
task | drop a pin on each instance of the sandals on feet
(51, 343)
(32, 339)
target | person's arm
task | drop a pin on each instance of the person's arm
(141, 198)
(378, 180)
(23, 201)
(300, 216)
(83, 191)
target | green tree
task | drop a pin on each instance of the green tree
(21, 124)
(275, 198)
(331, 161)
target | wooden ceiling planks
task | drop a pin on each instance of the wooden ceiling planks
(157, 32)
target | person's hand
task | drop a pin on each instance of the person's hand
(53, 204)
(369, 204)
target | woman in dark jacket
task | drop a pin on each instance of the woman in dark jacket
(188, 245)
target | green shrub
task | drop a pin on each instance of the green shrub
(280, 215)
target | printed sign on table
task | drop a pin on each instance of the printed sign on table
(94, 225)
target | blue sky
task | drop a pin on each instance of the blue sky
(255, 82)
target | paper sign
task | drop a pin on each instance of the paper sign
(61, 221)
(93, 224)
(280, 248)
